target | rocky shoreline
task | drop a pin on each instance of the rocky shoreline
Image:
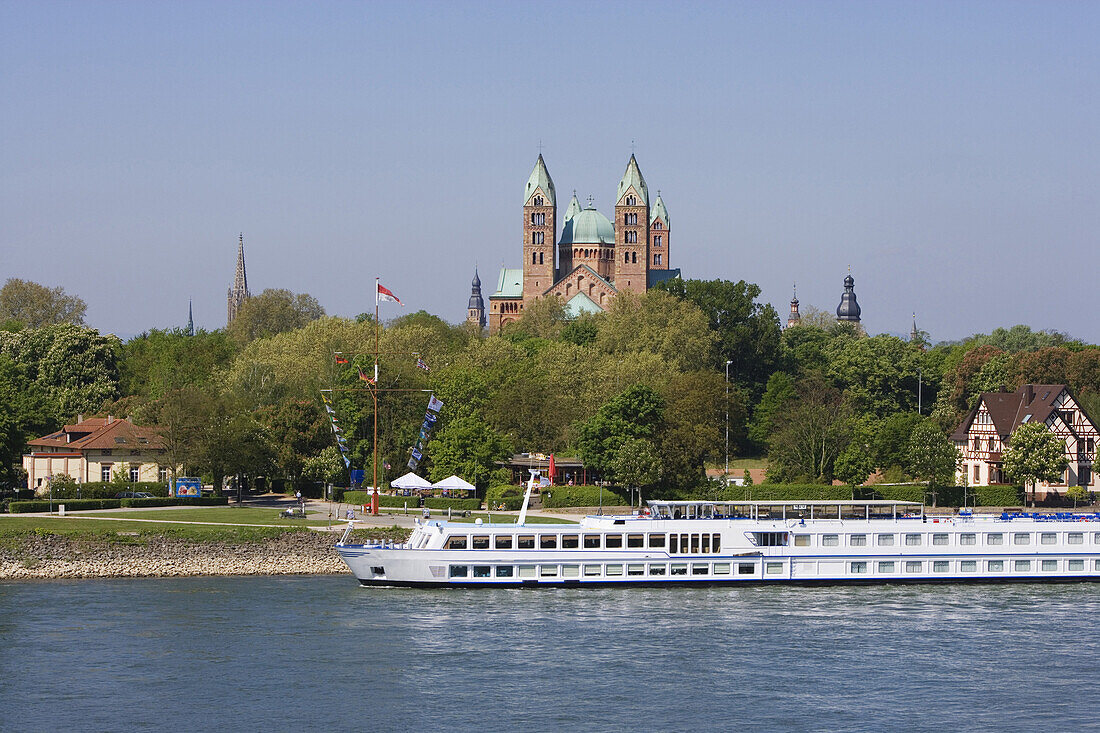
(53, 556)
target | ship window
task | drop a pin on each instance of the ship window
(858, 540)
(885, 539)
(802, 540)
(968, 538)
(773, 568)
(591, 571)
(526, 571)
(570, 542)
(459, 571)
(504, 571)
(656, 540)
(995, 538)
(679, 568)
(941, 566)
(995, 566)
(771, 539)
(570, 571)
(939, 539)
(456, 543)
(635, 540)
(684, 540)
(1021, 566)
(479, 542)
(1075, 538)
(914, 566)
(525, 542)
(694, 544)
(912, 539)
(700, 568)
(548, 541)
(1021, 538)
(746, 568)
(658, 569)
(591, 542)
(716, 543)
(1076, 565)
(721, 568)
(1048, 538)
(1050, 565)
(635, 569)
(859, 567)
(1096, 538)
(614, 570)
(548, 571)
(968, 566)
(886, 567)
(481, 571)
(504, 542)
(830, 540)
(613, 541)
(1096, 565)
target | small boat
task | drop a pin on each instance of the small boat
(739, 542)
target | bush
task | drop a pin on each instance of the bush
(392, 502)
(888, 492)
(107, 490)
(438, 502)
(177, 501)
(510, 496)
(23, 507)
(785, 492)
(999, 495)
(563, 496)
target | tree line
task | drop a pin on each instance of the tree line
(639, 392)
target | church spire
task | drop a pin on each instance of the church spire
(795, 318)
(238, 294)
(540, 179)
(475, 309)
(190, 319)
(632, 177)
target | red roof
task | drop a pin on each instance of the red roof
(1008, 410)
(101, 433)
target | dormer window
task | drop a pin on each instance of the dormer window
(538, 201)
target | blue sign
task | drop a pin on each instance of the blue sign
(357, 476)
(188, 487)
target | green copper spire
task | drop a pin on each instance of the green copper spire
(632, 177)
(540, 178)
(660, 212)
(574, 207)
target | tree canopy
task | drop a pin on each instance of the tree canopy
(32, 305)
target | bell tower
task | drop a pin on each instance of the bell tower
(540, 214)
(631, 231)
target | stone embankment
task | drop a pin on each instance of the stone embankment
(52, 556)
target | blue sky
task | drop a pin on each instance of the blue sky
(946, 151)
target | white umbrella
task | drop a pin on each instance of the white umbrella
(453, 483)
(411, 481)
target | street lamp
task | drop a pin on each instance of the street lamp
(920, 385)
(728, 362)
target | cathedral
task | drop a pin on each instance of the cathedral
(594, 258)
(238, 294)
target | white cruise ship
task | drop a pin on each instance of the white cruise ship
(801, 542)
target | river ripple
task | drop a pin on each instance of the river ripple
(306, 653)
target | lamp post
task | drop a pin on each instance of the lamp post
(920, 385)
(727, 474)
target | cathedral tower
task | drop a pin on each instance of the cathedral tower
(475, 310)
(540, 215)
(238, 294)
(631, 231)
(848, 311)
(658, 236)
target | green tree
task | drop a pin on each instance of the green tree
(35, 305)
(273, 311)
(780, 389)
(932, 457)
(231, 442)
(747, 331)
(879, 374)
(468, 447)
(326, 467)
(22, 415)
(297, 429)
(181, 416)
(857, 461)
(158, 361)
(1034, 454)
(891, 439)
(657, 323)
(636, 464)
(635, 413)
(809, 432)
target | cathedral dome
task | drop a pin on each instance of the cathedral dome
(588, 227)
(849, 309)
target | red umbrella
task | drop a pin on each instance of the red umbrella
(551, 470)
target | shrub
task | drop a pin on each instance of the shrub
(785, 492)
(392, 502)
(438, 502)
(510, 496)
(23, 507)
(999, 495)
(888, 492)
(107, 490)
(177, 501)
(563, 496)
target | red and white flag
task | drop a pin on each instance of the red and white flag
(383, 293)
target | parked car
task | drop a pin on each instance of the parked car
(133, 495)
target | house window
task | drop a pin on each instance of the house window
(105, 472)
(977, 473)
(134, 473)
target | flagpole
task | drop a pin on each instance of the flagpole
(374, 395)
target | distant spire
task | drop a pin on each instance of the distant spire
(914, 334)
(238, 294)
(475, 310)
(795, 318)
(848, 310)
(190, 319)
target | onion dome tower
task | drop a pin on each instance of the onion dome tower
(848, 311)
(795, 318)
(475, 310)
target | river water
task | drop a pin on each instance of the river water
(309, 653)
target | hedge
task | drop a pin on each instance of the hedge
(563, 496)
(785, 492)
(392, 502)
(510, 496)
(177, 501)
(999, 495)
(107, 489)
(438, 502)
(899, 492)
(22, 507)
